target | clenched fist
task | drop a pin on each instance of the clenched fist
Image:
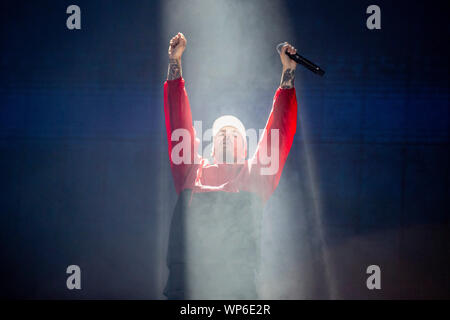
(289, 65)
(287, 62)
(177, 46)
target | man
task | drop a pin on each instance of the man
(215, 232)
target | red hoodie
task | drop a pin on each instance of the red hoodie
(224, 177)
(214, 241)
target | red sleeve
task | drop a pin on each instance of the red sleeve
(178, 116)
(283, 116)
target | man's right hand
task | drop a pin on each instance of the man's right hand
(177, 46)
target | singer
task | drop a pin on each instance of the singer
(213, 250)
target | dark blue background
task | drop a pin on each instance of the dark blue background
(84, 167)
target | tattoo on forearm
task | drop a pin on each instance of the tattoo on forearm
(174, 71)
(287, 79)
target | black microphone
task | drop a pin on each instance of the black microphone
(303, 61)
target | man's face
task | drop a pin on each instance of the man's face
(229, 146)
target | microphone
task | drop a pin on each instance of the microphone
(303, 61)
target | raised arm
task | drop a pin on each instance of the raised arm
(289, 65)
(274, 146)
(180, 132)
(177, 45)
